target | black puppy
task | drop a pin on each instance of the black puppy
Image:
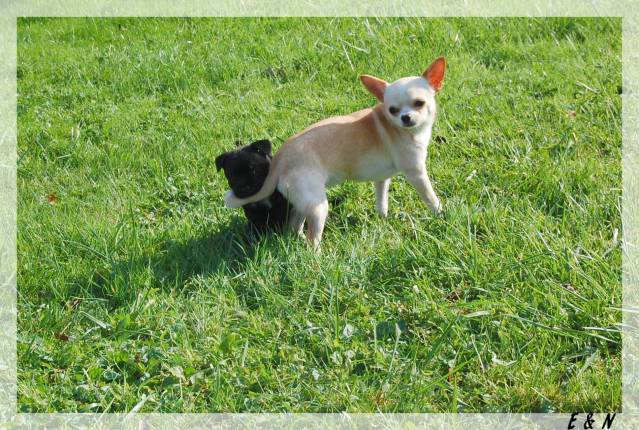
(245, 170)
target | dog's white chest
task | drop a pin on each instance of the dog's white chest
(374, 167)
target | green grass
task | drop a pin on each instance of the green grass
(136, 283)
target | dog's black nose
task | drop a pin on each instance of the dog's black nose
(406, 119)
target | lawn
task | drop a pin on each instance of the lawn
(136, 286)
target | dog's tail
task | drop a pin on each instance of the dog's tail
(268, 188)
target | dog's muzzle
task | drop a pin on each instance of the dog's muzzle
(406, 121)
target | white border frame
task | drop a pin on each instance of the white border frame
(11, 9)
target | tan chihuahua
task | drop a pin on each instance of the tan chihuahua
(372, 144)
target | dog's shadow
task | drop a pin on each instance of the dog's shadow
(225, 250)
(230, 246)
(175, 262)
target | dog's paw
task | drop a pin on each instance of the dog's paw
(231, 201)
(382, 211)
(437, 207)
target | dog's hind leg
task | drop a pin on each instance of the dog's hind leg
(315, 221)
(296, 222)
(306, 191)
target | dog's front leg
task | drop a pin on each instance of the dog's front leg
(419, 179)
(381, 193)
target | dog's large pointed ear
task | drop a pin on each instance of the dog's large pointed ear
(219, 161)
(263, 146)
(435, 73)
(375, 86)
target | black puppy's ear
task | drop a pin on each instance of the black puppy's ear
(263, 146)
(219, 161)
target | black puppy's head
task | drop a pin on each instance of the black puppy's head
(246, 168)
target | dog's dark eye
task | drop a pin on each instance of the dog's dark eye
(393, 110)
(419, 103)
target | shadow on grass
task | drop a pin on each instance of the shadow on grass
(175, 263)
(227, 248)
